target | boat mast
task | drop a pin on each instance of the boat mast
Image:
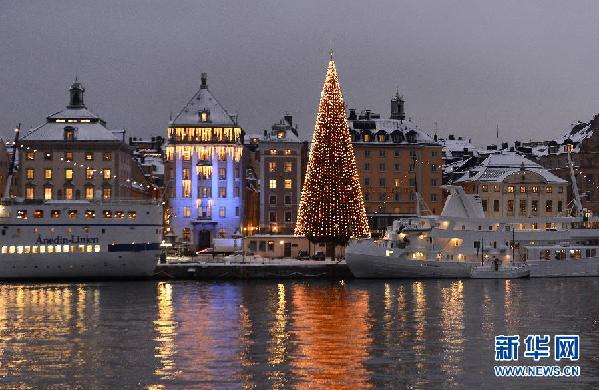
(11, 167)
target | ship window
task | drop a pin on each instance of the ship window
(65, 248)
(58, 248)
(132, 214)
(50, 249)
(4, 249)
(42, 249)
(55, 213)
(97, 248)
(90, 248)
(90, 214)
(119, 214)
(22, 214)
(11, 249)
(81, 248)
(107, 213)
(72, 214)
(20, 249)
(26, 249)
(38, 214)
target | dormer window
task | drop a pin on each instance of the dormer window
(204, 116)
(69, 133)
(281, 134)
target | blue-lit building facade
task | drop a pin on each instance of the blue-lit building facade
(204, 173)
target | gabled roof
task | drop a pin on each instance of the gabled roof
(203, 101)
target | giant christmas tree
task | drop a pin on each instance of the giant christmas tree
(332, 206)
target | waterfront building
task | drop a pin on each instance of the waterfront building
(149, 155)
(204, 172)
(582, 142)
(395, 160)
(74, 156)
(511, 186)
(278, 159)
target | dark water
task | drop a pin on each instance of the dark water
(265, 334)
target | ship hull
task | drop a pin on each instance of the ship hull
(390, 267)
(88, 266)
(564, 268)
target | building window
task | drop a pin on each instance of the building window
(433, 182)
(186, 174)
(382, 182)
(560, 190)
(237, 172)
(272, 216)
(485, 188)
(30, 155)
(89, 173)
(534, 206)
(30, 192)
(434, 167)
(273, 151)
(106, 193)
(206, 192)
(186, 236)
(89, 156)
(68, 193)
(496, 205)
(288, 217)
(186, 212)
(535, 189)
(47, 156)
(496, 188)
(549, 206)
(396, 167)
(186, 188)
(510, 207)
(237, 211)
(382, 167)
(48, 173)
(272, 166)
(287, 199)
(559, 206)
(412, 182)
(68, 156)
(236, 191)
(367, 181)
(272, 184)
(382, 152)
(366, 153)
(484, 204)
(222, 212)
(288, 167)
(522, 206)
(433, 197)
(89, 193)
(288, 183)
(222, 192)
(272, 199)
(367, 166)
(107, 156)
(47, 193)
(222, 173)
(510, 189)
(522, 189)
(30, 174)
(549, 189)
(106, 174)
(288, 152)
(68, 174)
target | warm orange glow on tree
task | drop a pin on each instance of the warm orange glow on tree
(332, 206)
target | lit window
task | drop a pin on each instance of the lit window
(42, 249)
(272, 166)
(11, 249)
(72, 214)
(96, 248)
(106, 156)
(222, 192)
(186, 174)
(30, 193)
(58, 248)
(50, 248)
(535, 189)
(119, 214)
(549, 189)
(68, 193)
(68, 156)
(222, 212)
(522, 189)
(89, 156)
(48, 173)
(38, 214)
(107, 213)
(90, 214)
(186, 212)
(106, 174)
(55, 213)
(90, 248)
(47, 193)
(288, 151)
(288, 167)
(22, 214)
(273, 151)
(485, 188)
(68, 174)
(222, 173)
(186, 188)
(30, 155)
(132, 214)
(89, 193)
(288, 183)
(30, 174)
(89, 173)
(272, 184)
(510, 188)
(106, 193)
(4, 249)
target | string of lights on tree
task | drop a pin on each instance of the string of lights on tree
(332, 204)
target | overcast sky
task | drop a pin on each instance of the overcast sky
(529, 66)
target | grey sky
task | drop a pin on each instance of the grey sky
(530, 66)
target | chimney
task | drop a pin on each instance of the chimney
(397, 107)
(289, 119)
(204, 83)
(352, 114)
(451, 137)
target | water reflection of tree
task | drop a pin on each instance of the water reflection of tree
(331, 330)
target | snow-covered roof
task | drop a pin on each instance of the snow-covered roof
(498, 166)
(389, 126)
(451, 147)
(203, 101)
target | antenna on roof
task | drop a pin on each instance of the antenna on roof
(498, 131)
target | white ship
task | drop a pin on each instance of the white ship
(79, 239)
(455, 243)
